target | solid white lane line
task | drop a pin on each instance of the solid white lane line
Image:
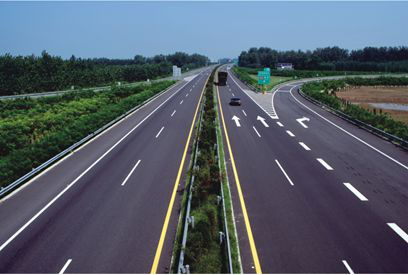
(256, 131)
(322, 162)
(186, 95)
(65, 266)
(181, 102)
(280, 124)
(350, 134)
(9, 240)
(159, 132)
(355, 191)
(290, 133)
(304, 146)
(348, 267)
(131, 172)
(172, 114)
(244, 113)
(399, 231)
(283, 171)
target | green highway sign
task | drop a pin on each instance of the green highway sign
(267, 70)
(264, 78)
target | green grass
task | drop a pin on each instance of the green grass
(275, 80)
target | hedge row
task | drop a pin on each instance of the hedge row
(204, 254)
(34, 130)
(324, 91)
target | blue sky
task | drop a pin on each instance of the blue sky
(216, 29)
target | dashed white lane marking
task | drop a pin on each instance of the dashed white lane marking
(181, 102)
(322, 162)
(172, 114)
(131, 172)
(232, 94)
(186, 95)
(18, 232)
(65, 266)
(350, 134)
(304, 146)
(191, 90)
(158, 134)
(355, 191)
(348, 267)
(244, 113)
(229, 90)
(399, 231)
(283, 171)
(290, 133)
(280, 124)
(256, 131)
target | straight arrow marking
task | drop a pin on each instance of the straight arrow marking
(262, 121)
(236, 119)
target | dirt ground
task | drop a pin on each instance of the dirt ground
(364, 95)
(367, 94)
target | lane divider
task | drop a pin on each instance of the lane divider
(160, 244)
(348, 267)
(304, 146)
(158, 134)
(283, 171)
(65, 266)
(256, 131)
(240, 195)
(399, 231)
(290, 133)
(322, 162)
(131, 172)
(355, 191)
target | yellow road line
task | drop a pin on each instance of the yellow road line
(241, 198)
(173, 195)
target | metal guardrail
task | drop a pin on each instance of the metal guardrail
(189, 220)
(9, 188)
(363, 125)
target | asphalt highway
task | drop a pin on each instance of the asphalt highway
(112, 206)
(321, 195)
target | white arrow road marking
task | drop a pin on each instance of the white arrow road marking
(65, 266)
(244, 113)
(348, 267)
(236, 119)
(262, 121)
(300, 120)
(399, 231)
(355, 191)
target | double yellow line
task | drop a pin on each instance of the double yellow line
(173, 195)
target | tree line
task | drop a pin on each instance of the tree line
(32, 74)
(385, 59)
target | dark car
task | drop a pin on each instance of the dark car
(235, 101)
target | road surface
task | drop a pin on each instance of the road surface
(103, 209)
(321, 195)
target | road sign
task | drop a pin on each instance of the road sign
(264, 78)
(267, 70)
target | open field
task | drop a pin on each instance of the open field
(365, 96)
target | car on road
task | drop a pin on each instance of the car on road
(235, 101)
